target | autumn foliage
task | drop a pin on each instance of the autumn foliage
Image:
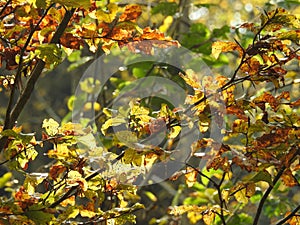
(98, 173)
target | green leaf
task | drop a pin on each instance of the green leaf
(9, 133)
(50, 53)
(197, 39)
(4, 179)
(90, 85)
(141, 69)
(39, 217)
(262, 176)
(165, 8)
(221, 32)
(74, 3)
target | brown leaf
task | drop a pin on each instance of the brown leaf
(131, 13)
(56, 170)
(251, 66)
(289, 179)
(70, 41)
(235, 110)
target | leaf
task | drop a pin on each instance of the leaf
(209, 217)
(75, 178)
(74, 3)
(179, 210)
(175, 131)
(165, 8)
(151, 196)
(132, 157)
(289, 179)
(68, 40)
(107, 17)
(51, 126)
(220, 46)
(39, 217)
(87, 213)
(190, 177)
(112, 122)
(5, 179)
(262, 176)
(131, 13)
(50, 53)
(240, 196)
(90, 85)
(56, 171)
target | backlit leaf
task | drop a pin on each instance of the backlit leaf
(190, 177)
(131, 13)
(51, 126)
(109, 16)
(219, 46)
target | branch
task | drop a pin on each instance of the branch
(266, 195)
(5, 6)
(268, 191)
(264, 25)
(73, 189)
(293, 213)
(38, 69)
(19, 72)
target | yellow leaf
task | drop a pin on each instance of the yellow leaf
(190, 177)
(109, 16)
(131, 156)
(179, 210)
(209, 217)
(126, 137)
(220, 46)
(194, 217)
(112, 122)
(241, 197)
(87, 213)
(192, 79)
(174, 132)
(51, 126)
(89, 105)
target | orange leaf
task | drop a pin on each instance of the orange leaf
(131, 13)
(289, 179)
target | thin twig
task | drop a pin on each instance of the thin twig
(293, 213)
(38, 69)
(268, 191)
(5, 6)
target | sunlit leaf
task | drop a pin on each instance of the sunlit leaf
(51, 126)
(50, 53)
(209, 217)
(109, 16)
(131, 13)
(179, 210)
(74, 3)
(190, 177)
(219, 46)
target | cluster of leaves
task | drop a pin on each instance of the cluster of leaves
(262, 135)
(90, 180)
